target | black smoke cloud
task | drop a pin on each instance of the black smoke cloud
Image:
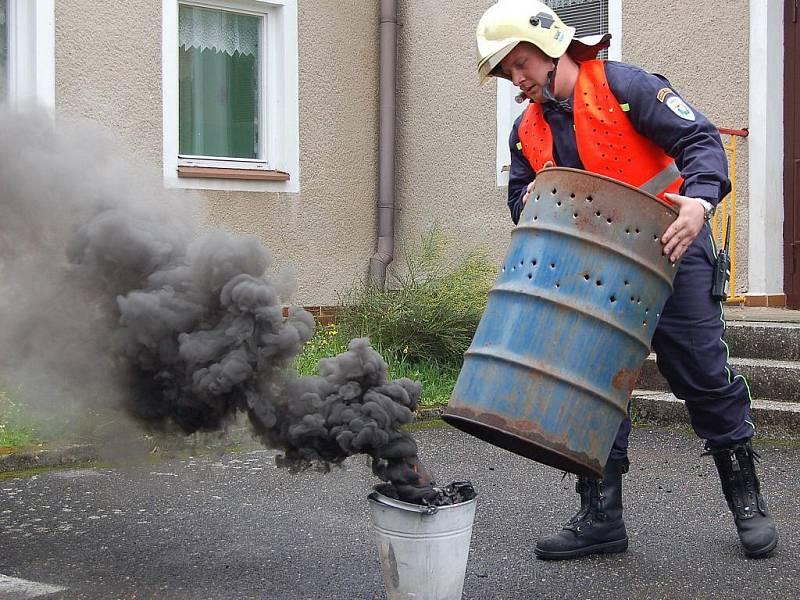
(109, 285)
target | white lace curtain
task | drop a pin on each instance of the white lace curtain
(218, 30)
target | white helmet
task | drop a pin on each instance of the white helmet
(509, 22)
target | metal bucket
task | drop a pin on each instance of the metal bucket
(423, 549)
(568, 323)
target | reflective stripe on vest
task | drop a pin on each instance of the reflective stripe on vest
(607, 142)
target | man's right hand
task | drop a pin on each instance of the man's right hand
(528, 191)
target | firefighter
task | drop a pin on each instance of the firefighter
(666, 143)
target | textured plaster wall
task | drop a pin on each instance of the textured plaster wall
(108, 68)
(446, 129)
(702, 48)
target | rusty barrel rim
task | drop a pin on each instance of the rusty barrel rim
(611, 180)
(522, 446)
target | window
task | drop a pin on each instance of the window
(589, 17)
(230, 95)
(27, 70)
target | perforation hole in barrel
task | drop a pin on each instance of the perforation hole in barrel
(572, 195)
(612, 299)
(574, 215)
(558, 202)
(586, 276)
(627, 283)
(609, 220)
(558, 285)
(589, 199)
(597, 214)
(552, 265)
(599, 283)
(534, 262)
(555, 191)
(530, 275)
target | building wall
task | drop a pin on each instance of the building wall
(447, 129)
(108, 68)
(702, 48)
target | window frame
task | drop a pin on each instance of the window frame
(278, 166)
(31, 53)
(507, 110)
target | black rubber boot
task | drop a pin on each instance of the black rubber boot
(737, 472)
(597, 527)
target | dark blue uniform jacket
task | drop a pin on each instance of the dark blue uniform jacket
(695, 144)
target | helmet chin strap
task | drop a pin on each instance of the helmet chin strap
(551, 82)
(549, 94)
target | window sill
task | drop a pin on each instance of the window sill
(221, 173)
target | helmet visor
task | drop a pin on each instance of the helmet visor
(489, 67)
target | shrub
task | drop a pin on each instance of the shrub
(431, 312)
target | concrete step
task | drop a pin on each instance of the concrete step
(776, 379)
(772, 419)
(754, 339)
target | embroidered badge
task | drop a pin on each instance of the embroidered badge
(663, 93)
(680, 108)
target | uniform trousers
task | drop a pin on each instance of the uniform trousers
(693, 356)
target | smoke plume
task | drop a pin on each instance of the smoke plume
(109, 289)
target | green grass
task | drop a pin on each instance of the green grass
(437, 380)
(16, 430)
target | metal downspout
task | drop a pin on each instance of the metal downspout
(386, 146)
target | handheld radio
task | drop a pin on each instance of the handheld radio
(722, 269)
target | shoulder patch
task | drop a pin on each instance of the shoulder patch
(680, 108)
(663, 93)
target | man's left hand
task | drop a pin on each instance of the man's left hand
(683, 231)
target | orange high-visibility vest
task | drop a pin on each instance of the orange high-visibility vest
(607, 142)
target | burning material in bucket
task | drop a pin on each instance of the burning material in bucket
(568, 323)
(453, 493)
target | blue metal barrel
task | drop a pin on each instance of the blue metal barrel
(568, 322)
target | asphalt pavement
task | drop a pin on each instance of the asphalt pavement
(235, 526)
